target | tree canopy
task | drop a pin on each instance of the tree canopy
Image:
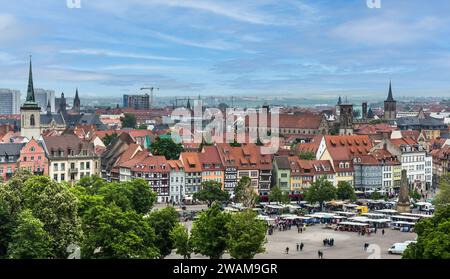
(181, 241)
(29, 239)
(109, 138)
(307, 155)
(166, 147)
(210, 192)
(128, 121)
(276, 195)
(433, 237)
(345, 191)
(209, 233)
(320, 191)
(246, 235)
(44, 204)
(164, 221)
(442, 199)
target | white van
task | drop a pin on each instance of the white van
(398, 248)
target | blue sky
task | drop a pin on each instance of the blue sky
(228, 47)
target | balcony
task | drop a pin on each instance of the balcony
(75, 170)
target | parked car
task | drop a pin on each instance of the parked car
(398, 248)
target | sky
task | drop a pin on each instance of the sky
(272, 48)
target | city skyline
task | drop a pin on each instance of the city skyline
(264, 48)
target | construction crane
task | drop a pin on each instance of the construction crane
(151, 94)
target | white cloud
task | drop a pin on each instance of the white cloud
(384, 31)
(118, 54)
(211, 44)
(10, 29)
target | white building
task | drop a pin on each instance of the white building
(177, 182)
(415, 160)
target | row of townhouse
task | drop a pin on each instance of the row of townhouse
(63, 158)
(178, 180)
(370, 166)
(351, 158)
(294, 175)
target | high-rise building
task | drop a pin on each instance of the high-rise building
(9, 101)
(137, 101)
(43, 97)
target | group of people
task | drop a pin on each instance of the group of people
(328, 242)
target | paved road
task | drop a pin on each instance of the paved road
(347, 245)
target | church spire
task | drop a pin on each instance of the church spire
(390, 96)
(30, 101)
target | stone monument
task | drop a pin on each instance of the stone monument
(403, 204)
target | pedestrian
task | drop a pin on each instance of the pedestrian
(382, 232)
(301, 246)
(287, 250)
(320, 254)
(298, 247)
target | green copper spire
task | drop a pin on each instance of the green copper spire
(30, 101)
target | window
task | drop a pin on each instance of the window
(55, 177)
(32, 121)
(63, 166)
(55, 167)
(82, 165)
(63, 177)
(88, 165)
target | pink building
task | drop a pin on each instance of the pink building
(32, 158)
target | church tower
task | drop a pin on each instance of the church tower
(390, 106)
(76, 103)
(30, 112)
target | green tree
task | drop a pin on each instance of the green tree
(307, 155)
(29, 239)
(163, 222)
(167, 148)
(111, 233)
(128, 121)
(109, 138)
(209, 233)
(7, 225)
(415, 195)
(442, 199)
(320, 191)
(246, 235)
(376, 196)
(143, 127)
(211, 191)
(276, 195)
(345, 191)
(181, 241)
(433, 237)
(245, 193)
(57, 208)
(142, 197)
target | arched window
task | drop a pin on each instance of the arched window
(32, 121)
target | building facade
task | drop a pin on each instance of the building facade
(9, 101)
(70, 158)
